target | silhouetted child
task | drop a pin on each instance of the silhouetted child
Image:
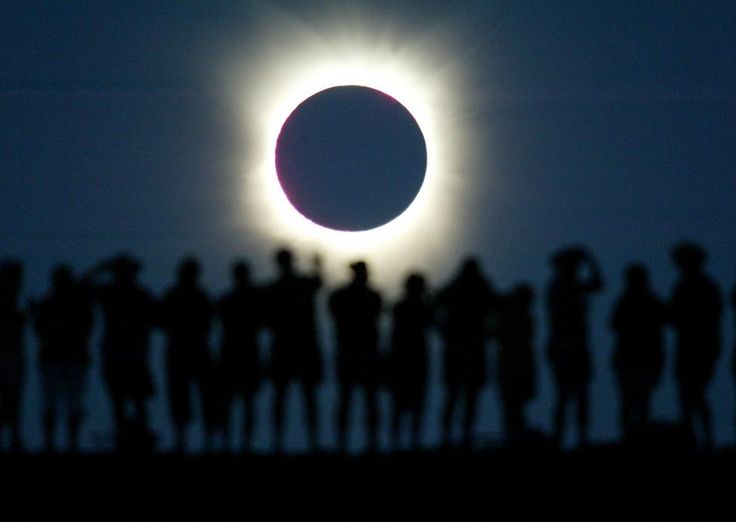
(295, 352)
(408, 358)
(464, 310)
(567, 349)
(695, 310)
(12, 360)
(63, 322)
(240, 312)
(516, 370)
(355, 310)
(186, 317)
(130, 313)
(638, 322)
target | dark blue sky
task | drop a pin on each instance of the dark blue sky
(610, 125)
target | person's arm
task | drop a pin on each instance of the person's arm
(595, 278)
(317, 270)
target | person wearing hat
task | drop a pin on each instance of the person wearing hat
(567, 347)
(695, 312)
(129, 314)
(355, 310)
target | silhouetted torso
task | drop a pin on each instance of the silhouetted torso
(240, 313)
(695, 310)
(355, 310)
(466, 307)
(568, 343)
(129, 314)
(12, 324)
(63, 322)
(638, 321)
(290, 316)
(186, 316)
(409, 358)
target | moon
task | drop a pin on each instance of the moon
(351, 158)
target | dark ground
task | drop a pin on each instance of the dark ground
(601, 483)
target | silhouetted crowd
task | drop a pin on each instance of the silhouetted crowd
(467, 312)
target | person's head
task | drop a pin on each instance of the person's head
(470, 269)
(415, 285)
(360, 272)
(62, 279)
(188, 272)
(637, 277)
(688, 257)
(241, 273)
(11, 274)
(284, 260)
(125, 268)
(523, 295)
(567, 260)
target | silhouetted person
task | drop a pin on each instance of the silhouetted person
(295, 352)
(413, 315)
(638, 322)
(355, 310)
(567, 350)
(240, 312)
(63, 323)
(12, 360)
(186, 317)
(464, 310)
(695, 310)
(516, 370)
(733, 304)
(130, 313)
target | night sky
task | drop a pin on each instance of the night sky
(610, 125)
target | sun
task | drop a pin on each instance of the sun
(295, 61)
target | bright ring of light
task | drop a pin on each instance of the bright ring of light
(421, 77)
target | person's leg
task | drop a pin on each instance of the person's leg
(343, 411)
(310, 402)
(371, 404)
(561, 400)
(686, 410)
(248, 419)
(451, 398)
(279, 404)
(703, 410)
(417, 414)
(397, 407)
(470, 414)
(76, 378)
(582, 404)
(178, 386)
(50, 406)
